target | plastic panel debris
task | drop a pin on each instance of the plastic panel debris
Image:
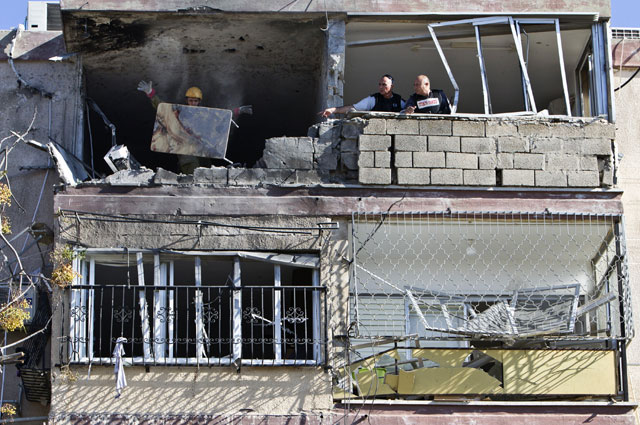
(191, 130)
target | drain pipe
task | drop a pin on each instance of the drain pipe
(29, 419)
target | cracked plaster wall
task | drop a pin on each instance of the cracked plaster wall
(57, 118)
(31, 182)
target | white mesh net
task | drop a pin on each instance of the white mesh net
(497, 276)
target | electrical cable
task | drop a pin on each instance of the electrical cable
(326, 15)
(628, 80)
(126, 219)
(93, 170)
(287, 5)
(21, 80)
(620, 67)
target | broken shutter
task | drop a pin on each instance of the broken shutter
(144, 310)
(78, 309)
(160, 313)
(199, 317)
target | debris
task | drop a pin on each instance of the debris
(119, 158)
(191, 130)
(71, 170)
(141, 177)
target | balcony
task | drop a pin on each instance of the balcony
(421, 151)
(499, 306)
(175, 322)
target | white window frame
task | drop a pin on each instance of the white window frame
(82, 305)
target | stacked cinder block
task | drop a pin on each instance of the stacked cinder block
(519, 151)
(374, 163)
(423, 151)
(328, 154)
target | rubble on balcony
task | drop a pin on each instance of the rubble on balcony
(388, 149)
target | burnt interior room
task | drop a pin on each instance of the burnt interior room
(273, 64)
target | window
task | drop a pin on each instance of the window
(593, 91)
(197, 308)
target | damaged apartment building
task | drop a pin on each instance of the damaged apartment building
(374, 266)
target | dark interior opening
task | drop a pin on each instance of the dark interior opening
(273, 64)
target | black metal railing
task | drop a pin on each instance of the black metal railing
(186, 324)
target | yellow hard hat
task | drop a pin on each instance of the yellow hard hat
(194, 92)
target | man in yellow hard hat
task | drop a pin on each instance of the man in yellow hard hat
(193, 97)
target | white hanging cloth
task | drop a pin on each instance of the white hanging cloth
(118, 352)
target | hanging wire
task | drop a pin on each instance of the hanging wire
(326, 15)
(115, 218)
(628, 80)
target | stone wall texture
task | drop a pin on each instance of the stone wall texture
(515, 151)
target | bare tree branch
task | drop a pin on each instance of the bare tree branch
(18, 271)
(20, 341)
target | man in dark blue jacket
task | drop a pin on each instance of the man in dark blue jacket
(425, 100)
(383, 101)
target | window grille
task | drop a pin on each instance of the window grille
(509, 277)
(626, 33)
(196, 310)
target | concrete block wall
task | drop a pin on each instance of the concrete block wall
(423, 151)
(328, 154)
(481, 151)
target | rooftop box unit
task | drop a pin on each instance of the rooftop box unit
(44, 16)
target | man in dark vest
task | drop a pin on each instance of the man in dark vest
(425, 100)
(385, 100)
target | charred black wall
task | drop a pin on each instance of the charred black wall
(269, 62)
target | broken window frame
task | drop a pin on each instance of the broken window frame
(413, 321)
(563, 73)
(514, 25)
(603, 75)
(82, 299)
(596, 62)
